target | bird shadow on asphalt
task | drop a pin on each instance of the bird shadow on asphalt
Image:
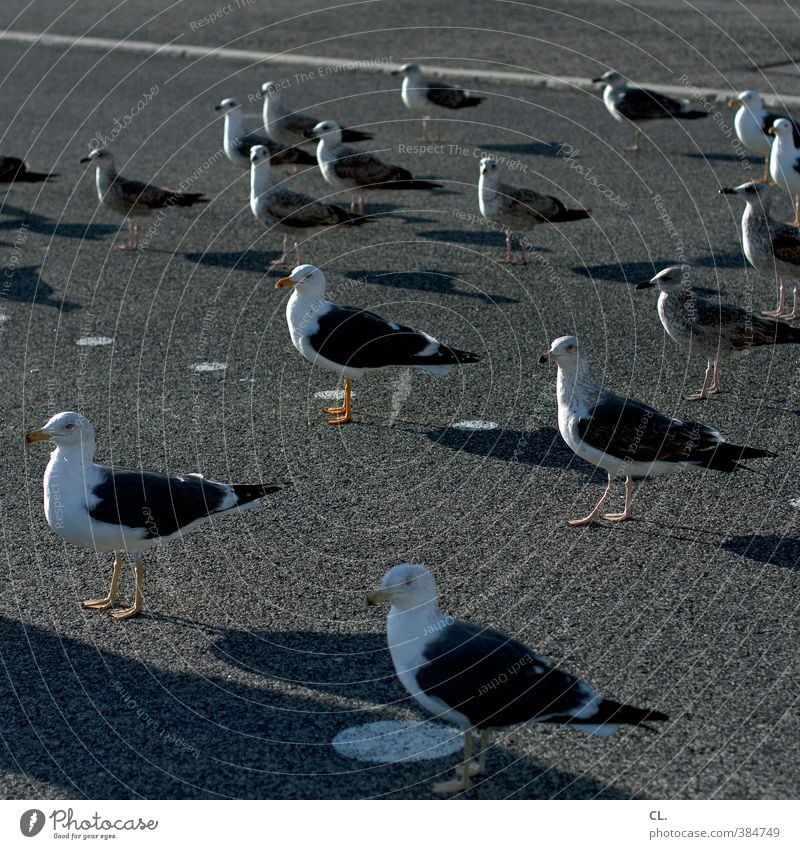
(714, 157)
(25, 285)
(767, 548)
(257, 261)
(736, 260)
(631, 273)
(533, 148)
(44, 226)
(543, 447)
(423, 280)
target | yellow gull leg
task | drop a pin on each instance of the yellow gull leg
(462, 780)
(346, 409)
(138, 602)
(113, 589)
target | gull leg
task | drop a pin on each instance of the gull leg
(790, 316)
(509, 257)
(702, 393)
(715, 385)
(521, 248)
(135, 244)
(765, 178)
(298, 258)
(796, 221)
(282, 257)
(626, 513)
(462, 780)
(480, 767)
(113, 589)
(138, 601)
(361, 204)
(781, 302)
(591, 518)
(346, 410)
(635, 146)
(338, 410)
(424, 136)
(130, 245)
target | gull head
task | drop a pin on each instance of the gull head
(227, 105)
(488, 166)
(754, 193)
(408, 70)
(304, 278)
(406, 586)
(327, 129)
(101, 157)
(259, 155)
(782, 129)
(670, 279)
(748, 99)
(65, 429)
(270, 90)
(563, 352)
(612, 78)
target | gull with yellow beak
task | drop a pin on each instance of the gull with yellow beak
(351, 341)
(478, 678)
(784, 162)
(125, 510)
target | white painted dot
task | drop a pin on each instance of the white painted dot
(795, 502)
(93, 341)
(209, 367)
(394, 741)
(476, 424)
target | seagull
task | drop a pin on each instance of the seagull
(352, 341)
(131, 198)
(770, 246)
(752, 123)
(784, 162)
(347, 169)
(717, 331)
(237, 141)
(294, 128)
(478, 678)
(640, 105)
(628, 438)
(125, 510)
(13, 170)
(430, 99)
(517, 209)
(274, 205)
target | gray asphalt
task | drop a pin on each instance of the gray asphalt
(256, 648)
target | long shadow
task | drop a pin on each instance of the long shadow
(423, 281)
(250, 260)
(483, 236)
(736, 260)
(767, 548)
(26, 285)
(44, 226)
(543, 447)
(631, 273)
(81, 721)
(533, 148)
(715, 157)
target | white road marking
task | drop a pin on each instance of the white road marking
(209, 367)
(93, 341)
(476, 424)
(393, 741)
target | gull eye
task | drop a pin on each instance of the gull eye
(69, 426)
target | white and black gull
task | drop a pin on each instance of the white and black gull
(518, 209)
(125, 510)
(432, 98)
(352, 342)
(277, 206)
(714, 330)
(752, 123)
(638, 106)
(628, 438)
(771, 247)
(133, 199)
(784, 162)
(478, 678)
(347, 169)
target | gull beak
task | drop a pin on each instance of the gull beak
(772, 131)
(86, 159)
(377, 597)
(598, 80)
(648, 285)
(37, 435)
(728, 192)
(734, 101)
(545, 358)
(285, 283)
(218, 107)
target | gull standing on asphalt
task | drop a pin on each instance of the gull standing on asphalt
(627, 438)
(717, 331)
(752, 123)
(784, 162)
(430, 99)
(518, 209)
(641, 105)
(770, 246)
(133, 199)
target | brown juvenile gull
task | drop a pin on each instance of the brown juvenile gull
(133, 199)
(717, 331)
(771, 247)
(640, 105)
(628, 438)
(351, 341)
(348, 169)
(518, 209)
(13, 170)
(432, 99)
(275, 205)
(125, 510)
(237, 141)
(478, 678)
(293, 128)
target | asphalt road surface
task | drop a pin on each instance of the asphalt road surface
(256, 648)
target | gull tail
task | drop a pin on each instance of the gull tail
(355, 136)
(610, 714)
(247, 493)
(470, 100)
(406, 184)
(728, 457)
(181, 199)
(572, 215)
(785, 334)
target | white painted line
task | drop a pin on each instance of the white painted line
(393, 741)
(202, 367)
(93, 341)
(476, 424)
(338, 64)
